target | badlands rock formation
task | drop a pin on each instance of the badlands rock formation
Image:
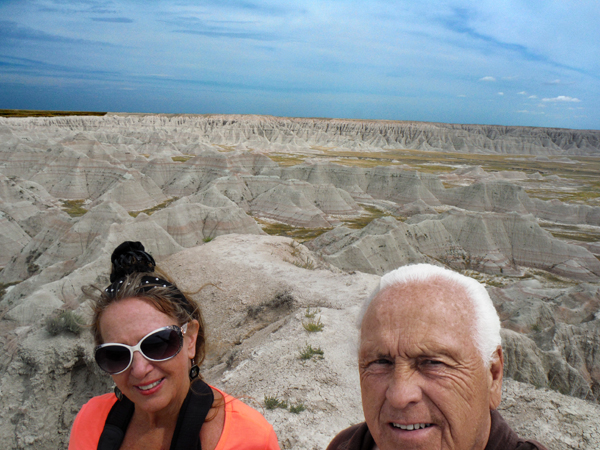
(254, 308)
(201, 192)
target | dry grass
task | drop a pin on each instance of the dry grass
(298, 259)
(152, 210)
(372, 214)
(286, 160)
(36, 113)
(226, 148)
(296, 233)
(182, 158)
(313, 325)
(572, 232)
(321, 148)
(436, 162)
(74, 208)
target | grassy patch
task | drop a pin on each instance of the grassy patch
(298, 234)
(321, 148)
(273, 402)
(64, 322)
(581, 237)
(587, 195)
(308, 352)
(585, 170)
(297, 408)
(287, 160)
(207, 239)
(182, 158)
(74, 208)
(313, 325)
(36, 113)
(434, 168)
(152, 210)
(571, 232)
(311, 313)
(362, 221)
(549, 278)
(226, 148)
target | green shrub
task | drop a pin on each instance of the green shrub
(308, 352)
(312, 325)
(310, 314)
(297, 408)
(274, 402)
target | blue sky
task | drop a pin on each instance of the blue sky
(533, 63)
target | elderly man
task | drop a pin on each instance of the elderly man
(430, 364)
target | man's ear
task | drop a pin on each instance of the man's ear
(496, 371)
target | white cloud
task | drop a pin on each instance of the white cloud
(522, 93)
(487, 79)
(553, 82)
(461, 95)
(500, 93)
(532, 96)
(561, 98)
(524, 111)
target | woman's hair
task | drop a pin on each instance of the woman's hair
(134, 275)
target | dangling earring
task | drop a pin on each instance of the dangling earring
(118, 393)
(194, 371)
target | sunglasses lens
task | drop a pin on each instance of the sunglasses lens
(113, 358)
(162, 345)
(159, 346)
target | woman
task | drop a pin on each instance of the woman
(150, 339)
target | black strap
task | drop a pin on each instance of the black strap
(116, 425)
(191, 416)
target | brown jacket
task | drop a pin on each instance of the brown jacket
(502, 437)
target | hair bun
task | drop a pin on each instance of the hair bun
(130, 257)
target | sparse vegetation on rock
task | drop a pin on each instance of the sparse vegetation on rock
(64, 322)
(273, 402)
(308, 352)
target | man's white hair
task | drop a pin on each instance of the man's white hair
(486, 334)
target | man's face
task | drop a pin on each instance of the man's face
(423, 382)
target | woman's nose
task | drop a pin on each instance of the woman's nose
(140, 366)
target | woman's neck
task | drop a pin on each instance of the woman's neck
(165, 418)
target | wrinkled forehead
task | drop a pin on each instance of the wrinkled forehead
(435, 302)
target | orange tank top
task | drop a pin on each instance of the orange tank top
(244, 428)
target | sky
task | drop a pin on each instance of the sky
(501, 62)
